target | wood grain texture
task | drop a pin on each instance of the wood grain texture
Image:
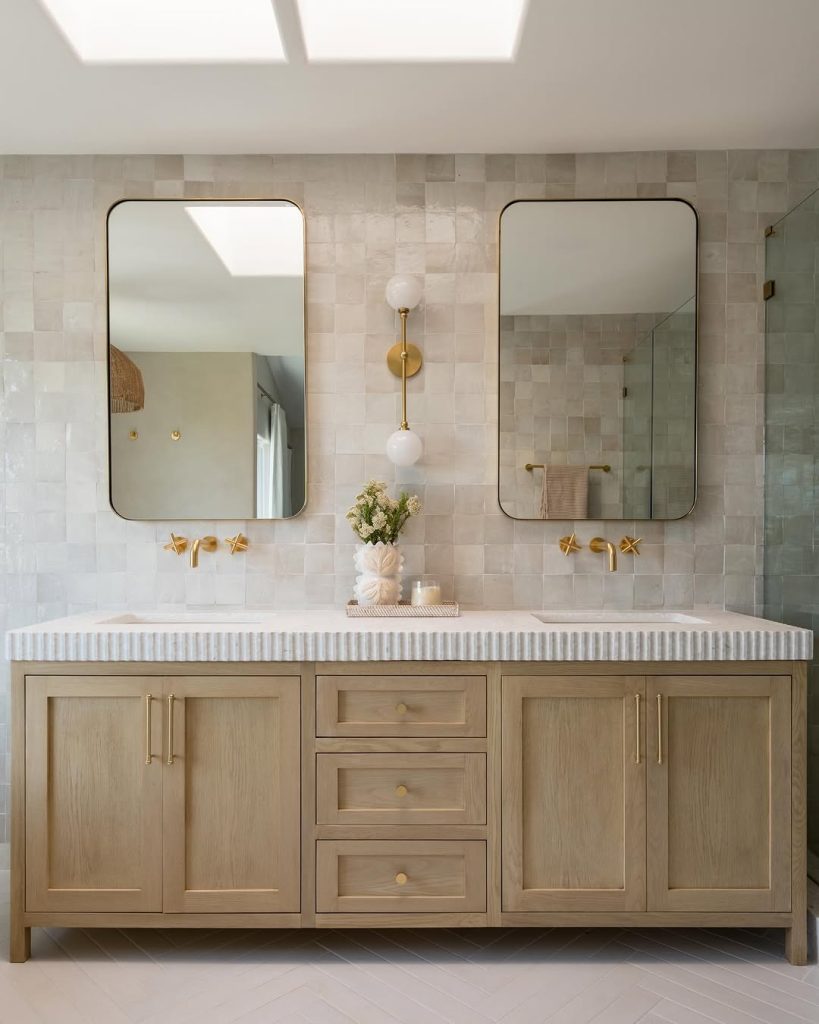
(573, 794)
(93, 806)
(796, 938)
(494, 883)
(719, 805)
(232, 814)
(400, 704)
(400, 789)
(308, 797)
(19, 933)
(364, 876)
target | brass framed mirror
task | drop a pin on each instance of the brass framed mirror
(206, 359)
(597, 359)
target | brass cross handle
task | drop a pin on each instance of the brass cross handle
(568, 545)
(178, 545)
(237, 543)
(628, 545)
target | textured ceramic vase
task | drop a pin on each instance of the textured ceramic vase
(379, 573)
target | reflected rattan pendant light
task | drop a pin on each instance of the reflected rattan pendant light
(127, 387)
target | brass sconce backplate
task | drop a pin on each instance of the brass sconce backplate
(414, 359)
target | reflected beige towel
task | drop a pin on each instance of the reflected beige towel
(565, 492)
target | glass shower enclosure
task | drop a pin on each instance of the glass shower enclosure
(791, 573)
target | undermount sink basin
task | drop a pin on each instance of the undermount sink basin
(606, 618)
(186, 619)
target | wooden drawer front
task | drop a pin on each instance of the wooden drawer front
(401, 705)
(401, 789)
(394, 877)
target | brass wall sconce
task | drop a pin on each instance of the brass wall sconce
(404, 446)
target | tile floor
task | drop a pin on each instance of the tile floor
(459, 977)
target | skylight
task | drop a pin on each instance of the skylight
(169, 31)
(254, 241)
(411, 30)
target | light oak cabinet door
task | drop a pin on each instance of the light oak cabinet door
(93, 794)
(719, 793)
(573, 765)
(231, 795)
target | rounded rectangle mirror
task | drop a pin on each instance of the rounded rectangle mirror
(206, 359)
(598, 359)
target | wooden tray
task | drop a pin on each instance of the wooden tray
(403, 610)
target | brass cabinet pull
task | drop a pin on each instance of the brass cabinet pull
(637, 737)
(170, 728)
(148, 754)
(401, 878)
(401, 790)
(659, 728)
(401, 708)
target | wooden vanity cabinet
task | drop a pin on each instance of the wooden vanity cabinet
(162, 796)
(409, 795)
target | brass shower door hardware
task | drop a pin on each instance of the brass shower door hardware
(238, 543)
(177, 544)
(203, 543)
(569, 545)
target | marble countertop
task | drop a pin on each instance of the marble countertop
(257, 635)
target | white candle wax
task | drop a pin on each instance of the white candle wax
(426, 594)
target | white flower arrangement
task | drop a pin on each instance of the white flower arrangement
(376, 517)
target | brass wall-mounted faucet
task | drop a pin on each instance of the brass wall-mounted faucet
(599, 545)
(206, 544)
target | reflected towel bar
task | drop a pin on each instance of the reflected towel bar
(539, 465)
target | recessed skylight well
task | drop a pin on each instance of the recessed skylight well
(411, 30)
(254, 241)
(169, 31)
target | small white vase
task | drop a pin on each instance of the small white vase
(379, 573)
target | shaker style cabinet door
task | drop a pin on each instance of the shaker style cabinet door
(573, 763)
(231, 794)
(719, 793)
(93, 794)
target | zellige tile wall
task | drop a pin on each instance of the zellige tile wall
(368, 217)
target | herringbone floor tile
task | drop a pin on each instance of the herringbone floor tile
(498, 976)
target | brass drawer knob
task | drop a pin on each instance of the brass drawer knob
(401, 878)
(401, 790)
(402, 708)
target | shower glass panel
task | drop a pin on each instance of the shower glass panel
(659, 443)
(791, 591)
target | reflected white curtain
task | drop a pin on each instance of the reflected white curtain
(273, 468)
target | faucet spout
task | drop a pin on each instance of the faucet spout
(600, 545)
(203, 543)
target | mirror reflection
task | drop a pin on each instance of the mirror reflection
(206, 359)
(598, 347)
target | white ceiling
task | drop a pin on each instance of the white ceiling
(170, 292)
(586, 258)
(590, 75)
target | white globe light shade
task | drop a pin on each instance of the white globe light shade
(404, 447)
(403, 291)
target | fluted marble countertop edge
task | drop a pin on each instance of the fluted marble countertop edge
(475, 636)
